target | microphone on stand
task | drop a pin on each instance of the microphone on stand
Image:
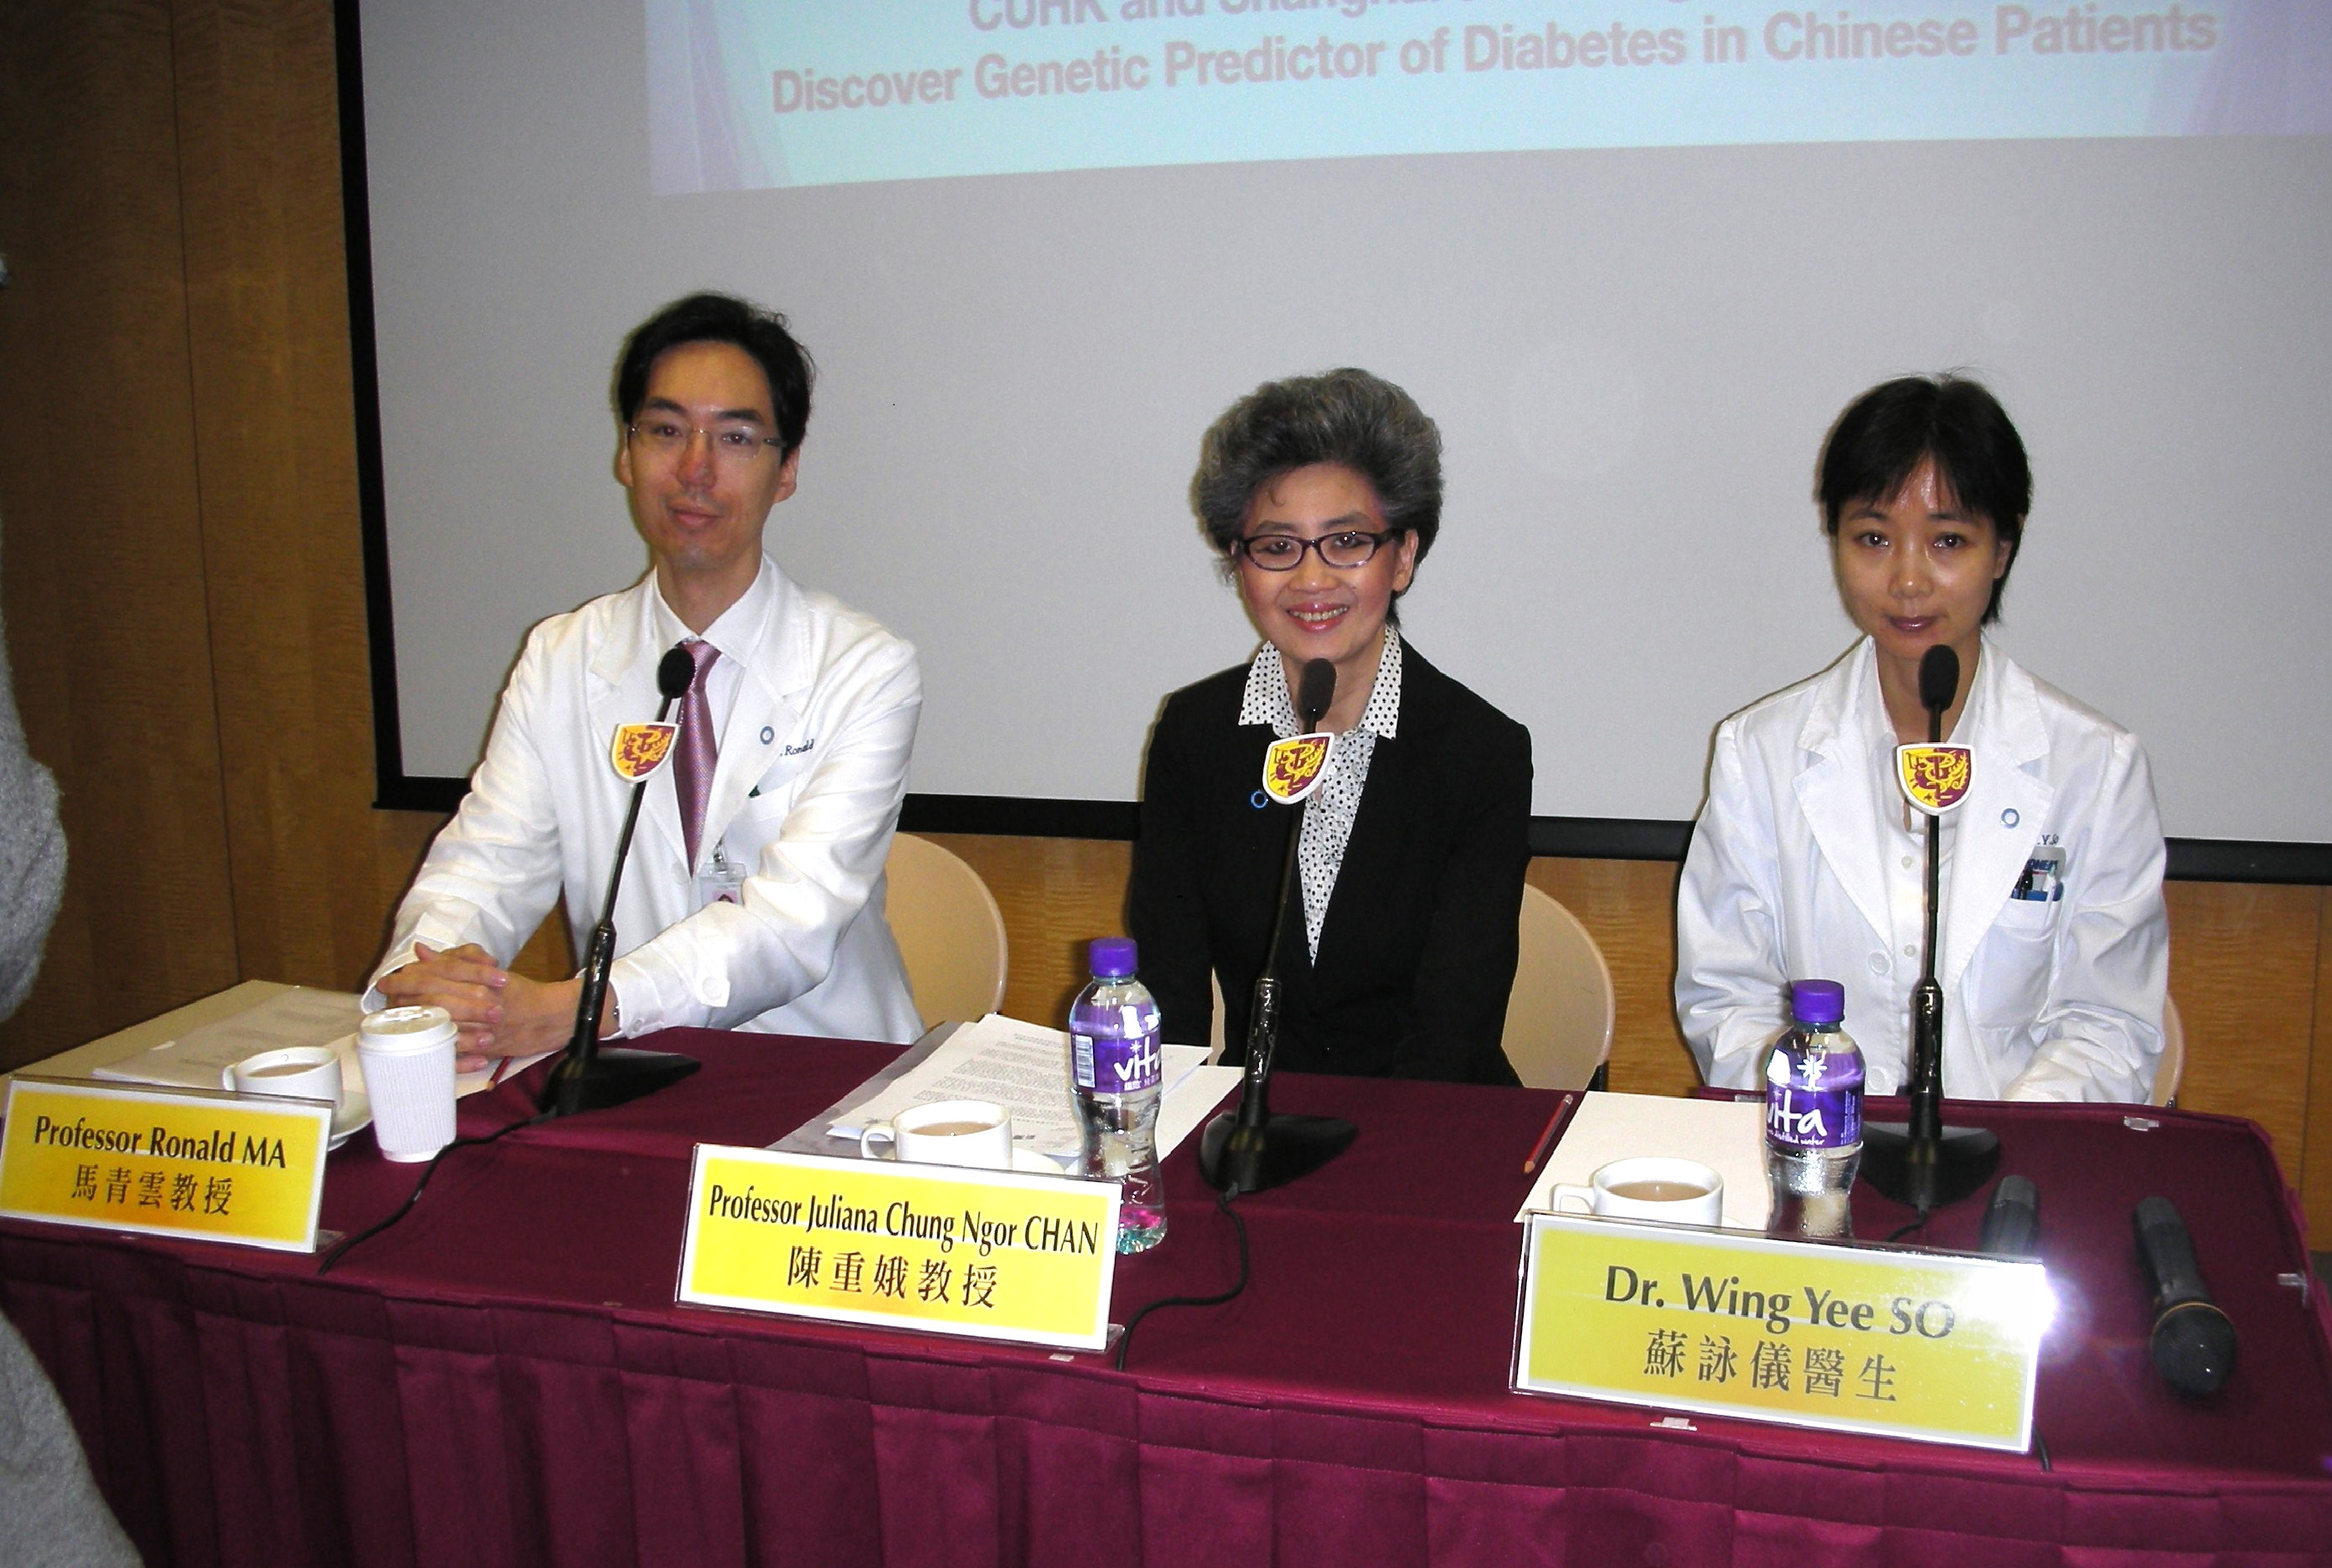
(1922, 1163)
(1251, 1149)
(2193, 1343)
(588, 1078)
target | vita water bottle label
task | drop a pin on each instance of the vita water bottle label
(1813, 1099)
(1116, 1064)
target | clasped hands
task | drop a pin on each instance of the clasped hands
(500, 1014)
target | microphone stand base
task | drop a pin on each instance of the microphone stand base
(611, 1077)
(1922, 1175)
(1236, 1160)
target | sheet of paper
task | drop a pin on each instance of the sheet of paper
(1192, 1099)
(1725, 1135)
(199, 1058)
(1024, 1067)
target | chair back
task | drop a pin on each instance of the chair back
(949, 930)
(2169, 1071)
(1560, 1014)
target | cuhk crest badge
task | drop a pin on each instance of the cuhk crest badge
(639, 749)
(1294, 767)
(1934, 779)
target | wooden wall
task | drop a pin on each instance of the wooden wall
(179, 569)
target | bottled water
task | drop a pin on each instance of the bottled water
(1113, 1049)
(1813, 1113)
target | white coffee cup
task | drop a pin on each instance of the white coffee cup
(1648, 1187)
(975, 1133)
(407, 1055)
(301, 1072)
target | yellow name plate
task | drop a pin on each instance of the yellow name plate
(986, 1254)
(198, 1163)
(1939, 1347)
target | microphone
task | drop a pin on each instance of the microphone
(1939, 682)
(1251, 1149)
(1316, 691)
(1921, 1162)
(2193, 1343)
(588, 1078)
(2012, 1225)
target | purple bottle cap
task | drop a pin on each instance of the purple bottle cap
(1817, 1001)
(1113, 957)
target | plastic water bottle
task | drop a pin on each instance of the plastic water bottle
(1116, 1064)
(1813, 1113)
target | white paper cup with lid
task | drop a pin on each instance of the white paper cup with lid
(407, 1055)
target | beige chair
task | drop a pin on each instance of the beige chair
(1560, 1015)
(2172, 1068)
(949, 929)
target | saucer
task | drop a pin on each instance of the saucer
(1028, 1162)
(353, 1117)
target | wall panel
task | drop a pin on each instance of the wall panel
(268, 333)
(107, 628)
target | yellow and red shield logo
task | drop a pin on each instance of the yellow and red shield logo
(639, 749)
(1293, 768)
(1934, 779)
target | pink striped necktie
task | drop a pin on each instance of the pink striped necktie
(697, 750)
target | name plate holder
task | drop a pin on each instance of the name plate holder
(995, 1255)
(1939, 1347)
(198, 1164)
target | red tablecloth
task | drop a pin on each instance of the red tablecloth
(503, 1378)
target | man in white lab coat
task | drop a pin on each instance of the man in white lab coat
(1806, 864)
(753, 895)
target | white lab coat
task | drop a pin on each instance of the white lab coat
(2043, 1000)
(812, 769)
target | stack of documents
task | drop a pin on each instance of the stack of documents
(1024, 1068)
(300, 1016)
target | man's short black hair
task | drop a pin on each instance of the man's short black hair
(722, 318)
(1884, 435)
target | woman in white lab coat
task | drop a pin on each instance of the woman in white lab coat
(1806, 862)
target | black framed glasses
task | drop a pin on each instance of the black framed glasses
(736, 445)
(1344, 550)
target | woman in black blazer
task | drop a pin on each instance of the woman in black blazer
(1324, 493)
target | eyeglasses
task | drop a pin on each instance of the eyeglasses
(1285, 551)
(733, 445)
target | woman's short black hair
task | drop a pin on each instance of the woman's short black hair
(722, 318)
(1347, 416)
(1884, 435)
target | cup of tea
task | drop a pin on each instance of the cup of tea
(1649, 1187)
(408, 1055)
(301, 1072)
(975, 1133)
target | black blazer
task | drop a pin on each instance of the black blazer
(1417, 953)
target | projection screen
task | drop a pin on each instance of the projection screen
(1632, 255)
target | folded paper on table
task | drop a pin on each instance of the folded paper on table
(1725, 1135)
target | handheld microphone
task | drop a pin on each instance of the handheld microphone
(2193, 1343)
(2012, 1225)
(1251, 1149)
(1920, 1161)
(585, 1077)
